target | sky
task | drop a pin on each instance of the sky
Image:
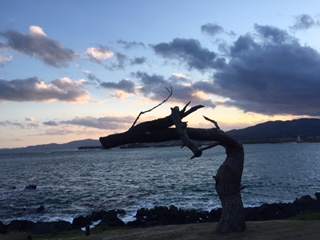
(76, 69)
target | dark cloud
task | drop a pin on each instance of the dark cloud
(129, 45)
(51, 123)
(154, 86)
(21, 125)
(189, 52)
(40, 46)
(102, 122)
(273, 34)
(271, 75)
(32, 89)
(124, 85)
(211, 29)
(303, 22)
(138, 60)
(92, 77)
(119, 63)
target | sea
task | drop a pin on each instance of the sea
(77, 182)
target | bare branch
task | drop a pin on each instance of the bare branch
(210, 146)
(143, 112)
(181, 127)
(185, 107)
(212, 121)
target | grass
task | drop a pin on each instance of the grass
(314, 216)
(308, 229)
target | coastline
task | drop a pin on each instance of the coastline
(161, 216)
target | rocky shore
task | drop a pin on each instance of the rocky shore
(164, 216)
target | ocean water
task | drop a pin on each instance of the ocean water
(73, 183)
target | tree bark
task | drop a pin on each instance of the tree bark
(228, 187)
(228, 178)
(229, 174)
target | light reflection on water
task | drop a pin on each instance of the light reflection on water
(70, 183)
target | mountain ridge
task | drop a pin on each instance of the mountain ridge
(308, 130)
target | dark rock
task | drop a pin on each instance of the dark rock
(111, 219)
(3, 228)
(305, 200)
(317, 194)
(31, 187)
(163, 216)
(40, 209)
(51, 227)
(214, 215)
(80, 222)
(20, 226)
(121, 211)
(96, 216)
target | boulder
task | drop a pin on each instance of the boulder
(111, 219)
(3, 228)
(80, 222)
(20, 226)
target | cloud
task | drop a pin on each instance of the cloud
(271, 74)
(91, 76)
(4, 60)
(180, 77)
(27, 124)
(51, 123)
(37, 44)
(303, 22)
(138, 60)
(128, 45)
(153, 86)
(211, 29)
(102, 122)
(273, 35)
(32, 89)
(189, 52)
(124, 85)
(99, 54)
(121, 60)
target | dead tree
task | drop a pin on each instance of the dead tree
(228, 177)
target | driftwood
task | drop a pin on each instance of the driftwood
(228, 177)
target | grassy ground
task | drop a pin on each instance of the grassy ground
(306, 227)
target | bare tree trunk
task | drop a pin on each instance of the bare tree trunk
(228, 178)
(228, 186)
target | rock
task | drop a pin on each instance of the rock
(96, 216)
(121, 212)
(214, 215)
(20, 226)
(111, 219)
(31, 187)
(80, 222)
(3, 228)
(51, 227)
(317, 194)
(305, 200)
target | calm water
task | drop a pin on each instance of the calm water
(70, 183)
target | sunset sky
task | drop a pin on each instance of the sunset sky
(72, 70)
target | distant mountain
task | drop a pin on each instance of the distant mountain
(55, 147)
(308, 129)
